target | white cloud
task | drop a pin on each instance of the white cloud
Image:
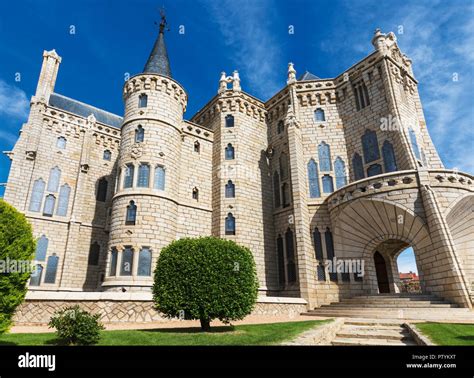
(13, 102)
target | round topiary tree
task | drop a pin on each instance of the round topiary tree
(17, 247)
(205, 278)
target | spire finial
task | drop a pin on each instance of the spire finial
(163, 23)
(158, 61)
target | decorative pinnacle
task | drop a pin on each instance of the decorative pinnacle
(163, 25)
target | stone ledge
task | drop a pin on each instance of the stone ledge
(419, 338)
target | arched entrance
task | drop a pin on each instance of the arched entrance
(381, 273)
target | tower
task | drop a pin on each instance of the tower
(145, 205)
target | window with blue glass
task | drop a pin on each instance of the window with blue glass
(143, 175)
(113, 262)
(388, 154)
(328, 186)
(276, 189)
(53, 181)
(358, 167)
(160, 177)
(142, 100)
(281, 261)
(131, 216)
(139, 134)
(324, 155)
(129, 173)
(61, 143)
(414, 143)
(49, 204)
(319, 115)
(51, 269)
(144, 262)
(340, 172)
(229, 189)
(107, 155)
(229, 152)
(229, 120)
(37, 195)
(94, 254)
(230, 224)
(41, 248)
(374, 169)
(370, 146)
(36, 275)
(127, 262)
(102, 187)
(63, 200)
(313, 179)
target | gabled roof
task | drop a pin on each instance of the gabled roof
(307, 76)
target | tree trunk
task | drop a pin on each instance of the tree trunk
(205, 325)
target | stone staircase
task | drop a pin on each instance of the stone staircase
(395, 306)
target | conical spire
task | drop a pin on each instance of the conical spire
(158, 61)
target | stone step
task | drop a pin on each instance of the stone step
(359, 341)
(374, 333)
(396, 295)
(379, 323)
(394, 300)
(391, 305)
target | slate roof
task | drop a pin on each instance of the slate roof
(158, 61)
(307, 76)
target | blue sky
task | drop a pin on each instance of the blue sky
(113, 37)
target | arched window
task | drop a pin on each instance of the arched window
(196, 194)
(49, 203)
(324, 155)
(129, 173)
(229, 120)
(41, 248)
(107, 155)
(374, 169)
(197, 147)
(63, 201)
(102, 187)
(143, 176)
(36, 275)
(61, 143)
(127, 262)
(281, 261)
(160, 177)
(131, 214)
(370, 146)
(139, 134)
(285, 191)
(113, 262)
(283, 166)
(319, 115)
(53, 181)
(313, 179)
(414, 143)
(358, 167)
(276, 189)
(318, 245)
(328, 186)
(290, 256)
(330, 251)
(37, 195)
(389, 157)
(229, 152)
(230, 224)
(340, 172)
(280, 127)
(51, 269)
(229, 189)
(142, 100)
(94, 253)
(144, 262)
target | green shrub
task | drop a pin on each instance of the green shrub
(75, 326)
(17, 247)
(205, 278)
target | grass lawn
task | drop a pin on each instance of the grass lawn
(252, 334)
(448, 333)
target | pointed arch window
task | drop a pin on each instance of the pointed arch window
(139, 134)
(102, 187)
(313, 179)
(127, 262)
(330, 251)
(160, 177)
(229, 120)
(131, 216)
(370, 146)
(290, 256)
(63, 201)
(230, 224)
(197, 147)
(358, 167)
(281, 261)
(276, 189)
(283, 166)
(142, 101)
(41, 248)
(230, 189)
(61, 143)
(414, 143)
(53, 181)
(49, 203)
(144, 262)
(195, 194)
(280, 126)
(94, 253)
(129, 173)
(37, 195)
(285, 191)
(143, 175)
(319, 115)
(36, 275)
(229, 152)
(113, 262)
(374, 169)
(324, 155)
(340, 172)
(388, 154)
(51, 269)
(328, 186)
(107, 155)
(318, 245)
